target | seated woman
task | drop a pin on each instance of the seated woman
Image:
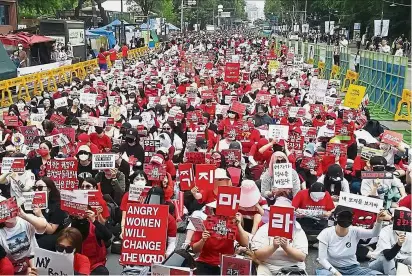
(275, 253)
(57, 219)
(334, 181)
(101, 207)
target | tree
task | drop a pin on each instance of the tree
(167, 10)
(147, 5)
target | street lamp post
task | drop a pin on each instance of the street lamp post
(219, 11)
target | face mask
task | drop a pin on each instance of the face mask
(130, 140)
(75, 103)
(20, 48)
(83, 157)
(131, 100)
(231, 115)
(330, 122)
(46, 103)
(317, 196)
(43, 152)
(75, 127)
(280, 96)
(307, 154)
(293, 94)
(46, 95)
(345, 223)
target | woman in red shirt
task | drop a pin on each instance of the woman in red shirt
(101, 58)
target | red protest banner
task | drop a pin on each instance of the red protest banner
(281, 112)
(204, 179)
(231, 265)
(30, 133)
(197, 224)
(18, 165)
(221, 227)
(8, 209)
(186, 176)
(150, 147)
(63, 173)
(232, 156)
(10, 120)
(232, 72)
(295, 142)
(37, 199)
(69, 132)
(316, 109)
(145, 234)
(311, 163)
(263, 98)
(93, 198)
(195, 157)
(58, 119)
(344, 131)
(228, 199)
(207, 95)
(238, 107)
(336, 149)
(402, 221)
(155, 172)
(194, 116)
(392, 138)
(74, 202)
(309, 134)
(349, 115)
(281, 221)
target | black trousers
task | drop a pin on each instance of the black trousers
(206, 269)
(100, 270)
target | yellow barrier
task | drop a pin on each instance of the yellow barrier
(406, 100)
(53, 77)
(335, 72)
(321, 67)
(350, 78)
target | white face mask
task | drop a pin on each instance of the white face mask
(140, 183)
(75, 127)
(330, 122)
(280, 96)
(76, 103)
(317, 196)
(83, 157)
(231, 115)
(307, 154)
(272, 91)
(293, 94)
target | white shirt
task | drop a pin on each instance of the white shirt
(280, 259)
(387, 239)
(399, 53)
(385, 49)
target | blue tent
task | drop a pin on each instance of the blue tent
(102, 32)
(172, 27)
(117, 23)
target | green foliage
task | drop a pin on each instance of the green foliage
(167, 10)
(37, 8)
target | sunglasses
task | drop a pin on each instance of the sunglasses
(83, 152)
(166, 128)
(67, 249)
(39, 188)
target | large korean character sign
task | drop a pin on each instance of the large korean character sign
(186, 176)
(205, 176)
(228, 199)
(282, 175)
(281, 221)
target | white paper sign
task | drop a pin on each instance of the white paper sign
(278, 131)
(6, 164)
(318, 87)
(29, 196)
(282, 175)
(369, 204)
(103, 161)
(88, 99)
(60, 102)
(58, 140)
(330, 101)
(37, 118)
(381, 25)
(305, 28)
(76, 36)
(221, 109)
(53, 263)
(135, 190)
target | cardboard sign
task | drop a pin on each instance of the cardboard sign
(186, 177)
(145, 234)
(30, 133)
(221, 227)
(58, 119)
(235, 265)
(354, 96)
(392, 138)
(60, 102)
(232, 156)
(63, 173)
(33, 200)
(88, 99)
(74, 202)
(197, 224)
(232, 72)
(402, 221)
(162, 270)
(103, 161)
(282, 175)
(195, 157)
(367, 153)
(11, 121)
(228, 199)
(336, 149)
(311, 163)
(7, 163)
(8, 209)
(376, 175)
(155, 172)
(53, 263)
(150, 147)
(204, 177)
(369, 204)
(278, 132)
(318, 87)
(238, 107)
(281, 221)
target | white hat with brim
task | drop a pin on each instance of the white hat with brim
(212, 204)
(249, 195)
(221, 174)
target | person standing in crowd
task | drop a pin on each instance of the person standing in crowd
(22, 56)
(101, 56)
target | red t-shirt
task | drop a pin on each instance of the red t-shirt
(101, 142)
(208, 196)
(302, 200)
(6, 267)
(125, 50)
(113, 54)
(405, 202)
(81, 264)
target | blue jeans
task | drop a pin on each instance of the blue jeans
(349, 270)
(103, 66)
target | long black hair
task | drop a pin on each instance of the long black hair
(54, 194)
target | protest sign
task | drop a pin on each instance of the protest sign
(37, 199)
(221, 227)
(311, 163)
(235, 265)
(30, 133)
(18, 166)
(367, 153)
(278, 132)
(37, 118)
(163, 270)
(221, 109)
(141, 198)
(282, 175)
(339, 150)
(402, 221)
(60, 102)
(369, 204)
(354, 96)
(349, 115)
(57, 140)
(155, 172)
(145, 234)
(281, 221)
(295, 142)
(228, 199)
(63, 172)
(11, 121)
(318, 88)
(102, 161)
(8, 209)
(74, 202)
(195, 157)
(238, 107)
(392, 138)
(136, 190)
(232, 72)
(297, 112)
(93, 198)
(204, 179)
(376, 175)
(281, 112)
(186, 176)
(197, 224)
(69, 132)
(58, 119)
(53, 263)
(88, 99)
(344, 132)
(232, 156)
(150, 147)
(7, 162)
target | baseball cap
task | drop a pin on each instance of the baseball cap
(85, 148)
(310, 147)
(132, 133)
(201, 143)
(221, 174)
(126, 125)
(84, 138)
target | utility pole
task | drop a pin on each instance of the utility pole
(181, 15)
(381, 28)
(306, 7)
(94, 16)
(122, 31)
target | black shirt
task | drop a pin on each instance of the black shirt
(84, 172)
(135, 150)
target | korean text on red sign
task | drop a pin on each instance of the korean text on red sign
(281, 221)
(228, 199)
(63, 173)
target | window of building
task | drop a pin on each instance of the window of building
(4, 15)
